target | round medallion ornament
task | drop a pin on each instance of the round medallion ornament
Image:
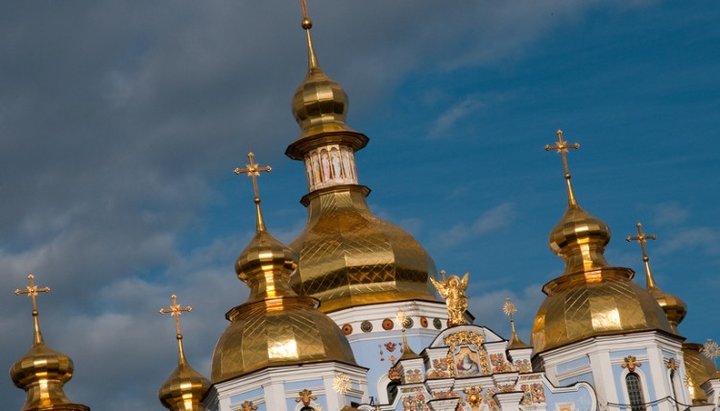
(347, 329)
(437, 323)
(387, 324)
(423, 321)
(366, 326)
(407, 322)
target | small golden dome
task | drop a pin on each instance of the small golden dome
(699, 369)
(43, 372)
(580, 239)
(350, 257)
(675, 309)
(599, 302)
(185, 388)
(275, 327)
(319, 104)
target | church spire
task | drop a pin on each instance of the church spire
(675, 309)
(510, 309)
(307, 25)
(184, 389)
(579, 238)
(42, 372)
(253, 171)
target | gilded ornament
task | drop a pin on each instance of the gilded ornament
(473, 397)
(347, 329)
(423, 321)
(452, 289)
(306, 397)
(341, 383)
(630, 362)
(671, 364)
(437, 323)
(366, 326)
(387, 324)
(248, 406)
(711, 349)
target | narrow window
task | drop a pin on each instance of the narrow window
(637, 403)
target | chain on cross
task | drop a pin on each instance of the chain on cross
(563, 147)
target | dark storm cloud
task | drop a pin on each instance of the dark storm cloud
(118, 117)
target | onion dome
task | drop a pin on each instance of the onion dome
(675, 309)
(699, 369)
(590, 298)
(43, 372)
(275, 327)
(347, 255)
(185, 388)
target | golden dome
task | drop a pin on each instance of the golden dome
(185, 388)
(43, 372)
(275, 327)
(699, 369)
(590, 298)
(599, 302)
(350, 257)
(580, 239)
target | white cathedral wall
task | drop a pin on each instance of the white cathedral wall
(277, 388)
(602, 359)
(376, 347)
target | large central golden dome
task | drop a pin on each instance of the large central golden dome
(349, 256)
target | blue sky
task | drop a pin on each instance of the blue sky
(120, 124)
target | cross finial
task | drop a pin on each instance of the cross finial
(32, 291)
(510, 309)
(253, 171)
(642, 239)
(175, 310)
(562, 147)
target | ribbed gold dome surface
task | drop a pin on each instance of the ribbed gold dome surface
(350, 257)
(699, 369)
(580, 239)
(320, 104)
(277, 332)
(675, 309)
(587, 304)
(184, 389)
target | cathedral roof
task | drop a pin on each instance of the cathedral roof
(590, 298)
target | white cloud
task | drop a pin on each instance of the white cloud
(443, 125)
(489, 221)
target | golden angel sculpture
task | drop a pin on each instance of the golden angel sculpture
(452, 289)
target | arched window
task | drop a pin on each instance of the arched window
(637, 403)
(307, 408)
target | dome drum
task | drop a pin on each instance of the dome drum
(352, 139)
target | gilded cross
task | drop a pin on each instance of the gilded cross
(562, 147)
(175, 310)
(510, 309)
(32, 291)
(253, 171)
(642, 239)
